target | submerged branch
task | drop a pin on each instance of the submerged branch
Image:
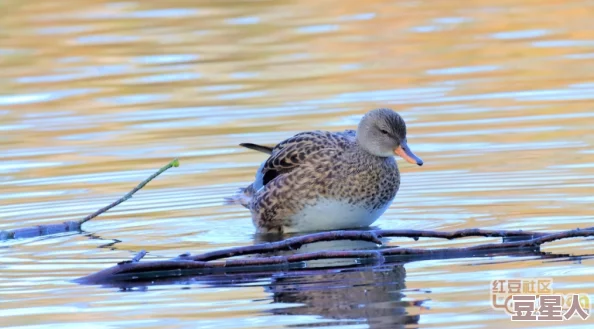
(71, 226)
(129, 270)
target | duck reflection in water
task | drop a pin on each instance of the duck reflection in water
(372, 295)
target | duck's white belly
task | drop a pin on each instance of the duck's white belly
(330, 214)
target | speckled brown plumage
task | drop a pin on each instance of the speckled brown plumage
(316, 165)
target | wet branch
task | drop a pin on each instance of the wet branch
(214, 259)
(531, 244)
(371, 236)
(71, 226)
(288, 244)
(415, 234)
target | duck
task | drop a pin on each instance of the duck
(321, 180)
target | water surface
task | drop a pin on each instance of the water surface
(498, 97)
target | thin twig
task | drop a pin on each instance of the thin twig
(174, 163)
(71, 226)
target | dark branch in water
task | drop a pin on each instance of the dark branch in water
(288, 244)
(211, 261)
(415, 234)
(139, 256)
(371, 236)
(71, 226)
(136, 258)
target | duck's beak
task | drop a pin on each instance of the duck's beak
(404, 152)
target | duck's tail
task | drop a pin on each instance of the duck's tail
(243, 197)
(256, 147)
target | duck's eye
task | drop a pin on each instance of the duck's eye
(385, 132)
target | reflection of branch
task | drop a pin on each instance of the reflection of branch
(110, 245)
(212, 260)
(71, 226)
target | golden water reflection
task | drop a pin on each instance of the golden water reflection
(95, 96)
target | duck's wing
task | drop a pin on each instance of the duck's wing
(295, 151)
(349, 133)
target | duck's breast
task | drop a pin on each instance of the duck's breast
(333, 214)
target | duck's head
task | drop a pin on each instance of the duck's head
(382, 132)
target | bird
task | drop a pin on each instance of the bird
(321, 180)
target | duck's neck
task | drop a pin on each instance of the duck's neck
(360, 152)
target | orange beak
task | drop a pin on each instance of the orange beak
(404, 152)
